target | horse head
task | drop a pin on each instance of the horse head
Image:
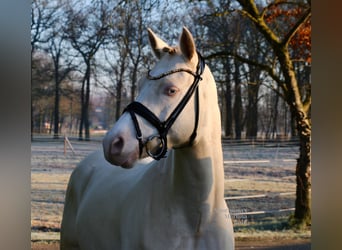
(166, 112)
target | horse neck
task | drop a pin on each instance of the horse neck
(197, 171)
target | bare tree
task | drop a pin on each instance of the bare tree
(41, 91)
(253, 87)
(299, 104)
(42, 16)
(56, 50)
(278, 24)
(116, 56)
(125, 51)
(224, 36)
(228, 98)
(120, 72)
(237, 108)
(87, 28)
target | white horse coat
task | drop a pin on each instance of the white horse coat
(175, 203)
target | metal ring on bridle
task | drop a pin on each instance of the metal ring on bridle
(161, 147)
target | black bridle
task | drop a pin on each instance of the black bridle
(163, 127)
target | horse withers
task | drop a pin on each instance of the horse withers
(175, 201)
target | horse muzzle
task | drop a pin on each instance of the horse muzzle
(118, 151)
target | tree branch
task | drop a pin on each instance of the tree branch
(263, 67)
(249, 8)
(297, 25)
(248, 15)
(276, 91)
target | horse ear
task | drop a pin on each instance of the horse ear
(158, 46)
(187, 44)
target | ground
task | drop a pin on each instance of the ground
(264, 171)
(240, 245)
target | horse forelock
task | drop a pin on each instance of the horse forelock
(170, 50)
(172, 59)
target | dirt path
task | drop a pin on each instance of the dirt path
(240, 245)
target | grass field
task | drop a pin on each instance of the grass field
(266, 169)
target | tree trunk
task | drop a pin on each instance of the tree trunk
(228, 101)
(80, 132)
(302, 216)
(252, 110)
(118, 100)
(294, 132)
(252, 119)
(237, 103)
(85, 95)
(56, 111)
(119, 84)
(51, 121)
(274, 117)
(56, 114)
(86, 107)
(229, 116)
(134, 83)
(134, 74)
(40, 121)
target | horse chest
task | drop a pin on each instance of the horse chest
(161, 225)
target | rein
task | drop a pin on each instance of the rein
(164, 127)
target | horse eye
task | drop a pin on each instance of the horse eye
(171, 91)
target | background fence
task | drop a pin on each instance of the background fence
(259, 186)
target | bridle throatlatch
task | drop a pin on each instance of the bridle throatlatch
(156, 145)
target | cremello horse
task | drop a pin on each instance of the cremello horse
(174, 202)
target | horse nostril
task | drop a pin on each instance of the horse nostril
(117, 146)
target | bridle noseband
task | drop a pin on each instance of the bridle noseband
(163, 127)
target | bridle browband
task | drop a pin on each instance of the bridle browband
(163, 127)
